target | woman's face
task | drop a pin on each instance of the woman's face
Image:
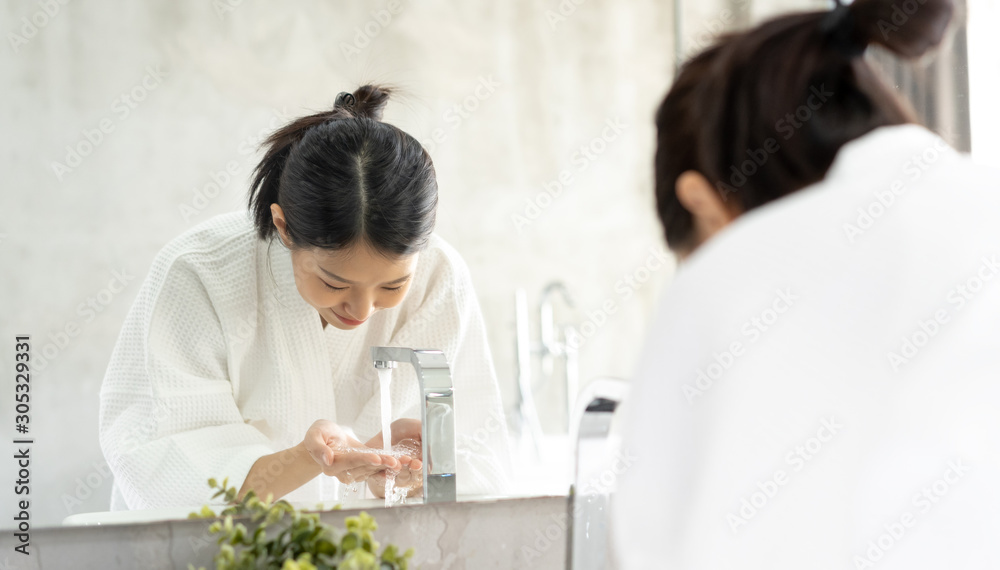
(348, 286)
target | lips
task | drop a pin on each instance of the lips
(346, 321)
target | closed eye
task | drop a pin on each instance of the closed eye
(328, 286)
(393, 288)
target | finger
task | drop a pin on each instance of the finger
(375, 473)
(349, 460)
(409, 479)
(391, 462)
(319, 457)
(318, 449)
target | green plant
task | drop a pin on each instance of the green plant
(285, 538)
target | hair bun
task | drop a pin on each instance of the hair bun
(908, 28)
(366, 101)
(344, 99)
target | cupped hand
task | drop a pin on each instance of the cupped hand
(408, 476)
(406, 442)
(406, 438)
(341, 456)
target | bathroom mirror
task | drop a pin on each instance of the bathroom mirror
(126, 126)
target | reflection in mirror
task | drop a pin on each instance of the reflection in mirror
(182, 345)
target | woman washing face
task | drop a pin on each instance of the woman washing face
(819, 387)
(246, 353)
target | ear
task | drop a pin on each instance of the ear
(278, 218)
(698, 197)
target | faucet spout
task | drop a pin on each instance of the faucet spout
(437, 416)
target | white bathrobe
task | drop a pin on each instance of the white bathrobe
(220, 361)
(821, 384)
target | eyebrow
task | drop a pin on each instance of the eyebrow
(342, 280)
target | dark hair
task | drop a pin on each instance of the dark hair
(344, 177)
(798, 77)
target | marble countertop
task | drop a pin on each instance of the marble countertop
(504, 533)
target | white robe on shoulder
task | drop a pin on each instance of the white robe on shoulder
(821, 386)
(220, 361)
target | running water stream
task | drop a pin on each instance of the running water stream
(384, 381)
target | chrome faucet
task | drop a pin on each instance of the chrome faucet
(558, 341)
(597, 445)
(437, 416)
(553, 347)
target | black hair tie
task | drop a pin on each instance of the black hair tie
(838, 26)
(345, 99)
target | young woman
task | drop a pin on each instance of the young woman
(246, 353)
(819, 388)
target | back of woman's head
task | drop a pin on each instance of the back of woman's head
(342, 177)
(762, 113)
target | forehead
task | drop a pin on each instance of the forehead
(362, 264)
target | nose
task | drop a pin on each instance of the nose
(359, 307)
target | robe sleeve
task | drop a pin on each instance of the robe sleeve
(169, 420)
(449, 319)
